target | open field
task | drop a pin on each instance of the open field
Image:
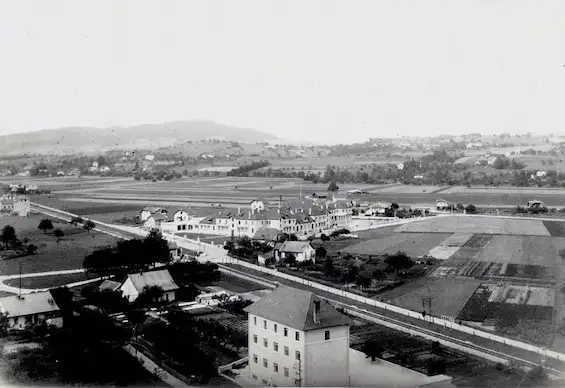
(413, 244)
(449, 295)
(477, 224)
(47, 281)
(68, 254)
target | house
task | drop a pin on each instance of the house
(29, 309)
(375, 209)
(15, 204)
(535, 204)
(109, 285)
(491, 160)
(297, 339)
(442, 204)
(418, 177)
(400, 166)
(61, 173)
(213, 298)
(137, 282)
(541, 174)
(266, 234)
(154, 221)
(31, 188)
(302, 250)
(149, 158)
(105, 169)
(149, 211)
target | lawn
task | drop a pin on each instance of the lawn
(67, 254)
(449, 295)
(48, 281)
(477, 224)
(413, 244)
(555, 228)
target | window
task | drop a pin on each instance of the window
(265, 363)
(275, 346)
(255, 321)
(286, 350)
(264, 324)
(285, 372)
(255, 359)
(276, 367)
(327, 335)
(297, 355)
(255, 338)
(265, 342)
(275, 327)
(285, 332)
(297, 336)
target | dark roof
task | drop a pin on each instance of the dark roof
(266, 234)
(295, 308)
(294, 246)
(109, 285)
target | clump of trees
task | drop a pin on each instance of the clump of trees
(245, 170)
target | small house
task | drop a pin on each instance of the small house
(301, 250)
(149, 211)
(541, 174)
(442, 204)
(29, 309)
(137, 282)
(154, 221)
(400, 166)
(109, 285)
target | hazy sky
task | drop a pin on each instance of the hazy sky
(318, 70)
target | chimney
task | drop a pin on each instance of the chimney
(316, 311)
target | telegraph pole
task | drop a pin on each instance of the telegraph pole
(20, 266)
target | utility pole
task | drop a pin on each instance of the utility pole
(20, 266)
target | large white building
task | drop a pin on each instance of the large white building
(15, 204)
(304, 217)
(297, 339)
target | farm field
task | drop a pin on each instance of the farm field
(47, 281)
(449, 295)
(413, 244)
(68, 254)
(477, 224)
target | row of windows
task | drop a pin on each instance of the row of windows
(327, 337)
(276, 329)
(275, 365)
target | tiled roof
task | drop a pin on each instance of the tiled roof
(109, 285)
(295, 308)
(159, 216)
(27, 304)
(161, 278)
(294, 246)
(266, 234)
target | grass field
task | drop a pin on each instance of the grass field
(68, 254)
(449, 295)
(47, 281)
(413, 244)
(477, 224)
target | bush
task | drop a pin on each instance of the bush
(325, 237)
(472, 209)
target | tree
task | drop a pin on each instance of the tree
(471, 209)
(88, 226)
(149, 296)
(398, 261)
(379, 275)
(321, 253)
(59, 234)
(8, 235)
(372, 349)
(363, 280)
(290, 259)
(394, 206)
(460, 207)
(31, 249)
(76, 220)
(45, 225)
(333, 187)
(324, 237)
(329, 267)
(293, 237)
(435, 367)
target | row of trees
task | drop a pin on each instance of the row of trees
(245, 170)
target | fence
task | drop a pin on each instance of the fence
(400, 310)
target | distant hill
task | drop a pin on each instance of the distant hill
(146, 136)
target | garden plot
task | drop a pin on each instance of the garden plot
(525, 250)
(476, 224)
(450, 246)
(413, 244)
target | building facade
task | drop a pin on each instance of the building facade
(297, 339)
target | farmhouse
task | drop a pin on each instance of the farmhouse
(149, 211)
(442, 204)
(29, 309)
(300, 343)
(301, 250)
(400, 166)
(137, 282)
(155, 221)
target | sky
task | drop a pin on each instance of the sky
(324, 71)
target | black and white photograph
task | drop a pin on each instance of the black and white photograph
(282, 193)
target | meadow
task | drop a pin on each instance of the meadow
(413, 244)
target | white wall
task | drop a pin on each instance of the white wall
(327, 361)
(129, 291)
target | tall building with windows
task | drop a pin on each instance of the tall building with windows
(297, 339)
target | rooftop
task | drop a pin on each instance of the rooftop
(109, 285)
(295, 308)
(28, 304)
(294, 246)
(161, 278)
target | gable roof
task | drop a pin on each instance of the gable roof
(294, 246)
(109, 285)
(266, 234)
(295, 308)
(159, 216)
(161, 278)
(154, 209)
(28, 304)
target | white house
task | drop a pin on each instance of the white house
(302, 250)
(492, 160)
(541, 174)
(297, 339)
(442, 204)
(137, 282)
(154, 221)
(150, 157)
(400, 166)
(29, 309)
(149, 211)
(15, 204)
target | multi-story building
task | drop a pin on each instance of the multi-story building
(15, 204)
(297, 339)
